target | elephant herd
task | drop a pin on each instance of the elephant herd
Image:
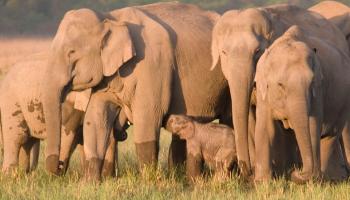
(280, 75)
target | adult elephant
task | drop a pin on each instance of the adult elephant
(239, 39)
(162, 55)
(337, 13)
(297, 79)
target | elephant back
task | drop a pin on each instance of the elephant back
(310, 22)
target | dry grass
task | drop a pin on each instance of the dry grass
(15, 49)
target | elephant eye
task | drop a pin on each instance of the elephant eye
(224, 52)
(257, 51)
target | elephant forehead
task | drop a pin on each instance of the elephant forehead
(83, 16)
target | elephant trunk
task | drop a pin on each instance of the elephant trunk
(300, 123)
(52, 87)
(240, 83)
(52, 113)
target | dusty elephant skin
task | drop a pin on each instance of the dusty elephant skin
(167, 72)
(23, 122)
(302, 80)
(211, 143)
(240, 38)
(22, 119)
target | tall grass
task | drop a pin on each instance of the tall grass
(150, 184)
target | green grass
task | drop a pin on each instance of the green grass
(160, 184)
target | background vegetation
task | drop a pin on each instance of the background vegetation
(42, 16)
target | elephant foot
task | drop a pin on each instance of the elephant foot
(300, 177)
(108, 169)
(92, 171)
(147, 154)
(244, 170)
(62, 167)
(177, 153)
(52, 164)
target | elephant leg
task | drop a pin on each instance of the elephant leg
(332, 161)
(108, 169)
(98, 124)
(24, 154)
(177, 152)
(194, 165)
(71, 123)
(147, 123)
(251, 132)
(15, 134)
(34, 155)
(346, 141)
(264, 133)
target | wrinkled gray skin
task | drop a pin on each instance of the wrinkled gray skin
(337, 13)
(168, 73)
(239, 39)
(302, 80)
(211, 142)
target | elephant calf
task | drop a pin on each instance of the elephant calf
(214, 143)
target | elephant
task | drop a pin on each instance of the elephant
(337, 13)
(302, 81)
(22, 121)
(209, 142)
(168, 73)
(72, 135)
(239, 39)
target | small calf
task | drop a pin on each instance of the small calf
(211, 142)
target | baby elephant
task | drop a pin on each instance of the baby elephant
(211, 142)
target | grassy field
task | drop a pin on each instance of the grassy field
(130, 184)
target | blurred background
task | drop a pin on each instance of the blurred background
(41, 17)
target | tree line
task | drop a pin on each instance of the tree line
(42, 16)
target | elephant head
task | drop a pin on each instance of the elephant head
(86, 47)
(288, 81)
(239, 39)
(181, 125)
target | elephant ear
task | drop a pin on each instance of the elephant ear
(117, 46)
(187, 131)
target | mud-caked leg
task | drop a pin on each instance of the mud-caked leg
(15, 134)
